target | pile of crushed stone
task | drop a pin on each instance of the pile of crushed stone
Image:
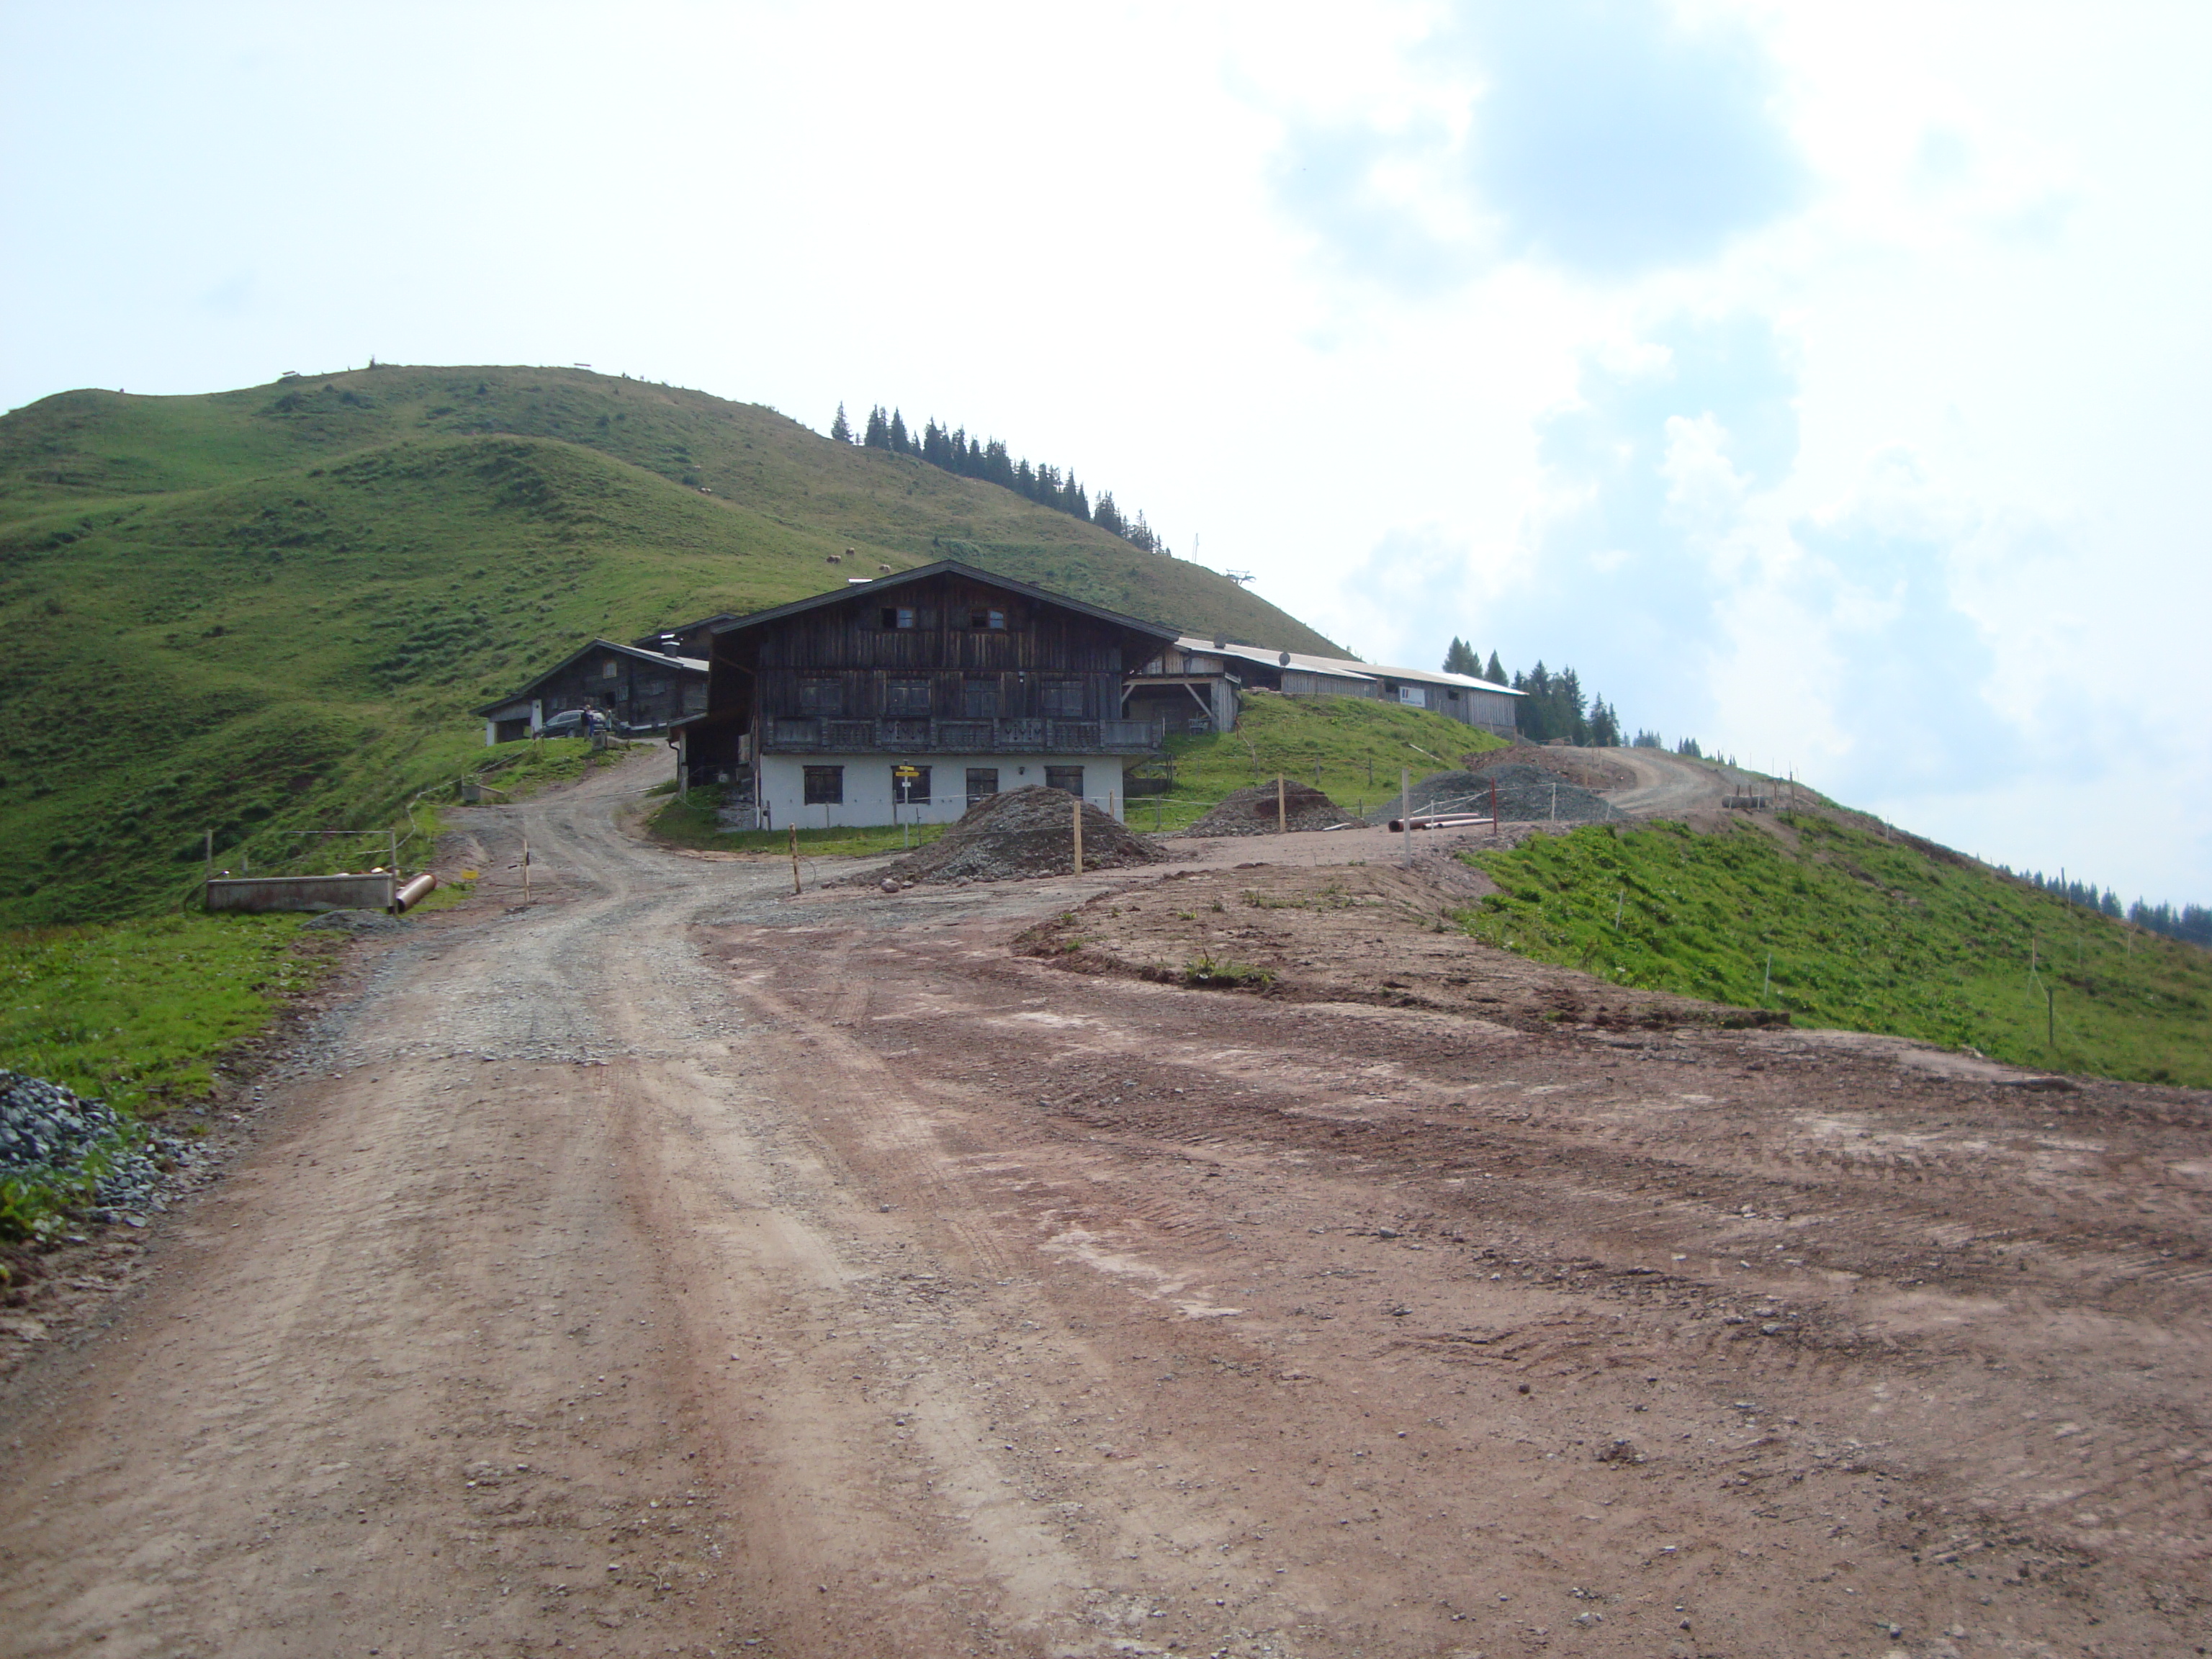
(1020, 834)
(1252, 812)
(358, 921)
(47, 1133)
(1526, 795)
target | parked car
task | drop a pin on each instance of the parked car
(569, 723)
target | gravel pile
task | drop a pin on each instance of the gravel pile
(1022, 833)
(46, 1132)
(1252, 812)
(356, 921)
(1525, 795)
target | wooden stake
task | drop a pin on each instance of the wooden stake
(1282, 812)
(1406, 807)
(525, 869)
(795, 857)
(1078, 835)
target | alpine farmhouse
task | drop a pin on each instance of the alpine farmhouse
(910, 697)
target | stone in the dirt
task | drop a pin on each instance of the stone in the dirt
(1253, 812)
(1023, 833)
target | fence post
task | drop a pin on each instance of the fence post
(795, 857)
(1406, 807)
(1078, 835)
(1282, 812)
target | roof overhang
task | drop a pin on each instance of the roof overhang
(1158, 632)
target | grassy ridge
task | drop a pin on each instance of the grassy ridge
(268, 610)
(1865, 935)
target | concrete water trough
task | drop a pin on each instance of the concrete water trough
(374, 891)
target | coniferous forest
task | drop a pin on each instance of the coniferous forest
(987, 458)
(2190, 923)
(1556, 705)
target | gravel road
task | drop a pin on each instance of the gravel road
(674, 1266)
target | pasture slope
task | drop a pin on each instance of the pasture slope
(268, 610)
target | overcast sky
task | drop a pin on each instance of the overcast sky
(1824, 381)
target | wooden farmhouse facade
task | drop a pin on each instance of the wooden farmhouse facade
(909, 697)
(1192, 684)
(638, 688)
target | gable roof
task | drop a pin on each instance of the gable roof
(682, 664)
(891, 584)
(1344, 667)
(644, 641)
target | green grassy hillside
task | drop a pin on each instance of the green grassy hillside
(1351, 748)
(268, 610)
(1862, 933)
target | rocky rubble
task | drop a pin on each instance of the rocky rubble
(1253, 812)
(1526, 795)
(47, 1133)
(1021, 833)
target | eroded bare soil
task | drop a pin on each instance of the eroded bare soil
(674, 1266)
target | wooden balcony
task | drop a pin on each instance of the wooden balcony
(811, 735)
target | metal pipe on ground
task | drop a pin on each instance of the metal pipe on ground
(420, 887)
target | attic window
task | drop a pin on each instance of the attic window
(987, 619)
(894, 616)
(609, 669)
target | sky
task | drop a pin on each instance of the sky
(1821, 382)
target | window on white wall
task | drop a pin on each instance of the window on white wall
(1416, 694)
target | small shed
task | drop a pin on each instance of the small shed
(640, 689)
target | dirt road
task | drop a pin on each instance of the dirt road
(1667, 785)
(674, 1266)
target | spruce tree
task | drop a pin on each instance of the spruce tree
(840, 429)
(1496, 672)
(878, 435)
(898, 439)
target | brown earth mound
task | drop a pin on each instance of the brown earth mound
(1252, 812)
(1023, 833)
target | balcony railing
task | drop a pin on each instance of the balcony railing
(810, 734)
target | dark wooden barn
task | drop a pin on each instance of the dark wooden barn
(913, 696)
(637, 689)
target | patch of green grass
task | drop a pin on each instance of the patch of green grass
(1355, 746)
(1204, 972)
(691, 824)
(1865, 935)
(298, 591)
(136, 1013)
